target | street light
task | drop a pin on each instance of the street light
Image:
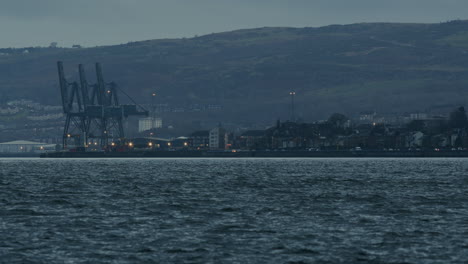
(153, 109)
(292, 94)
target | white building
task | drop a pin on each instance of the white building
(20, 146)
(218, 138)
(45, 117)
(367, 117)
(148, 123)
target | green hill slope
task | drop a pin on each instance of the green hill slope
(350, 68)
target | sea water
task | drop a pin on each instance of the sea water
(233, 210)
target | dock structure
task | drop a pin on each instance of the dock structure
(93, 112)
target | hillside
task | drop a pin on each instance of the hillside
(340, 68)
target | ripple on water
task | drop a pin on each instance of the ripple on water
(233, 210)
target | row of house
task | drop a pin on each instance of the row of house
(428, 133)
(336, 133)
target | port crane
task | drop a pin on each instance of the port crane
(93, 111)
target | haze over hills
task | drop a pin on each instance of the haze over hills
(385, 67)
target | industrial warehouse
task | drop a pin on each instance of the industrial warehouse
(23, 146)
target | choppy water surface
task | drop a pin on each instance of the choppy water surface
(234, 211)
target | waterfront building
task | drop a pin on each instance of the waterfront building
(200, 139)
(252, 139)
(148, 123)
(218, 138)
(21, 146)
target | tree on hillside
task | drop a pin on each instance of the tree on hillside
(458, 118)
(336, 123)
(337, 120)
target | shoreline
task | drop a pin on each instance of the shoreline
(260, 154)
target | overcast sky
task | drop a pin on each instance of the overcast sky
(105, 22)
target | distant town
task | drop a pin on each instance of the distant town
(30, 127)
